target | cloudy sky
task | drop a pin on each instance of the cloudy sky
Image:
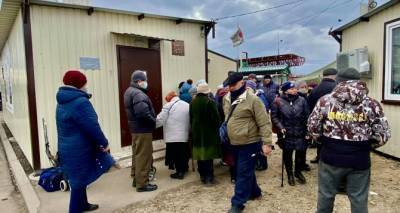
(302, 25)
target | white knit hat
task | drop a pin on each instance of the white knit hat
(203, 88)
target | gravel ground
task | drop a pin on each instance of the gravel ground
(194, 197)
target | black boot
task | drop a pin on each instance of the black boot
(178, 175)
(300, 177)
(91, 207)
(291, 179)
(147, 188)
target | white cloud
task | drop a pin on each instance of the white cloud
(255, 4)
(197, 12)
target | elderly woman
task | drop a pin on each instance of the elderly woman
(174, 117)
(205, 124)
(289, 114)
(82, 147)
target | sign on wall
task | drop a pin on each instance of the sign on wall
(178, 48)
(89, 63)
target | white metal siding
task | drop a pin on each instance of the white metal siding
(61, 36)
(218, 68)
(18, 120)
(371, 35)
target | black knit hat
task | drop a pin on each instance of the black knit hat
(234, 78)
(347, 75)
(267, 76)
(329, 71)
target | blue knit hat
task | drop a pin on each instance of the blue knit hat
(287, 85)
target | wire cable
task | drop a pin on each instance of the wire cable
(257, 11)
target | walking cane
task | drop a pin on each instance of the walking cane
(283, 163)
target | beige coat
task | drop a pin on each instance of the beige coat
(249, 122)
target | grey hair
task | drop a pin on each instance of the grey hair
(298, 83)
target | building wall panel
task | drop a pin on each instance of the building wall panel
(218, 69)
(62, 35)
(371, 35)
(16, 115)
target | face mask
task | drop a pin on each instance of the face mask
(144, 84)
(303, 90)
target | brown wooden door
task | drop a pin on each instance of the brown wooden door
(129, 60)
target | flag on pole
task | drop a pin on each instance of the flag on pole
(237, 38)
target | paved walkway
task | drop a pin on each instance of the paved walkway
(10, 200)
(114, 191)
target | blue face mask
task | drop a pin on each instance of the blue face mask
(144, 84)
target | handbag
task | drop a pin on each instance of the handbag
(223, 129)
(51, 178)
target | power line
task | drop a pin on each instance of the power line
(257, 11)
(263, 24)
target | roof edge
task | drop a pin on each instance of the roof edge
(110, 10)
(366, 16)
(224, 56)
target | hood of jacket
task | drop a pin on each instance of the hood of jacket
(185, 88)
(67, 94)
(352, 92)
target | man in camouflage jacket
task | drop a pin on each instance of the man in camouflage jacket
(349, 124)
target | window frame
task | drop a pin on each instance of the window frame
(387, 96)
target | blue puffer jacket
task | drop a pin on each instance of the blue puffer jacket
(80, 138)
(184, 94)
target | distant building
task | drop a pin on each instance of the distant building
(41, 40)
(379, 31)
(218, 67)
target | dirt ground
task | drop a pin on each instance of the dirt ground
(194, 197)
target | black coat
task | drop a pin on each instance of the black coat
(325, 87)
(292, 115)
(139, 110)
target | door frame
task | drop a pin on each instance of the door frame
(121, 101)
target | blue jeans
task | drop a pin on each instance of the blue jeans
(357, 187)
(78, 200)
(246, 184)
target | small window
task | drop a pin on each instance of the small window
(392, 62)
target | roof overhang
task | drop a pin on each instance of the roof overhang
(141, 36)
(365, 17)
(142, 15)
(8, 13)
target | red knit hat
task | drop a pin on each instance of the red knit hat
(75, 78)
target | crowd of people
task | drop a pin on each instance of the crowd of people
(235, 124)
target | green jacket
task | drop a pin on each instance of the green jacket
(205, 123)
(249, 122)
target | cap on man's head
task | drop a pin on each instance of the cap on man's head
(267, 77)
(287, 85)
(234, 78)
(347, 75)
(329, 71)
(139, 75)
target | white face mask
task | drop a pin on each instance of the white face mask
(303, 90)
(143, 84)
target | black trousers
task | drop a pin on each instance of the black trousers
(177, 156)
(288, 159)
(206, 168)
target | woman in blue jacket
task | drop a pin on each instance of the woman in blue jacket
(82, 147)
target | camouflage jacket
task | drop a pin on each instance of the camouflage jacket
(349, 114)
